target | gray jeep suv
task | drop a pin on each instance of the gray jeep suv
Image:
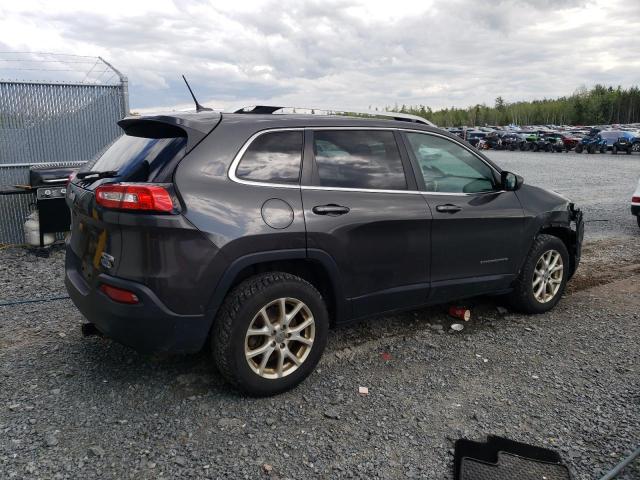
(257, 231)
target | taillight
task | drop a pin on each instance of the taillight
(635, 199)
(133, 196)
(119, 295)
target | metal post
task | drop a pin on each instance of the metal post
(124, 86)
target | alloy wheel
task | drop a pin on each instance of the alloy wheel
(547, 276)
(279, 338)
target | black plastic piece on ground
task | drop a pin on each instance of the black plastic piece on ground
(500, 458)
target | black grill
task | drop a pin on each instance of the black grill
(50, 185)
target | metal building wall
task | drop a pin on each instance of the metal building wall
(52, 123)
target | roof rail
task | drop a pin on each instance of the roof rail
(405, 117)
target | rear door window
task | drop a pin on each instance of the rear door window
(367, 159)
(273, 157)
(139, 159)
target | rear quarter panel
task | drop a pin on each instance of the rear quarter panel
(229, 214)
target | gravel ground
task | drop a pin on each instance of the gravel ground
(601, 185)
(89, 408)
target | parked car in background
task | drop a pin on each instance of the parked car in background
(570, 140)
(609, 137)
(622, 144)
(475, 137)
(591, 144)
(530, 138)
(254, 233)
(494, 140)
(549, 142)
(513, 141)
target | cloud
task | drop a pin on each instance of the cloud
(341, 53)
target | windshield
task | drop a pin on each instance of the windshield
(139, 159)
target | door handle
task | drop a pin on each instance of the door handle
(448, 208)
(332, 210)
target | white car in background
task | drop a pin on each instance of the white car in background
(635, 203)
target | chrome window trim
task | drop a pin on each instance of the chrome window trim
(236, 160)
(243, 149)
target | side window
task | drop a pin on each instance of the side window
(358, 159)
(449, 167)
(272, 157)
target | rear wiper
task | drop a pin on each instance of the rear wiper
(97, 175)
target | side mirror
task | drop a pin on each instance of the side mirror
(511, 181)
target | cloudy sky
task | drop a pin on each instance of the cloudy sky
(350, 54)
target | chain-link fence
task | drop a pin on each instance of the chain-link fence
(51, 123)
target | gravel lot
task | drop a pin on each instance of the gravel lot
(88, 408)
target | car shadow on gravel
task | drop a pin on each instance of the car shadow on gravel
(193, 375)
(182, 376)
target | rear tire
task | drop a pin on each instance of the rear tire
(628, 151)
(539, 287)
(255, 316)
(614, 150)
(579, 148)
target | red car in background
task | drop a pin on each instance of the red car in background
(570, 140)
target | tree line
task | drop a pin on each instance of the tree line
(597, 106)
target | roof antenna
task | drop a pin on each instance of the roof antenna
(199, 108)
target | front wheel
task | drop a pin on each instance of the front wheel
(270, 333)
(543, 277)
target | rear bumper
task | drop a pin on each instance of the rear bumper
(148, 326)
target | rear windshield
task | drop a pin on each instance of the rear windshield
(139, 159)
(611, 135)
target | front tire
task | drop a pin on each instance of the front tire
(270, 333)
(543, 277)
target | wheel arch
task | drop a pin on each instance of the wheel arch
(568, 237)
(315, 266)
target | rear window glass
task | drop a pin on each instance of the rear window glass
(139, 159)
(611, 135)
(272, 157)
(358, 159)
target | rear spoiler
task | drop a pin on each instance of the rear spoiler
(194, 126)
